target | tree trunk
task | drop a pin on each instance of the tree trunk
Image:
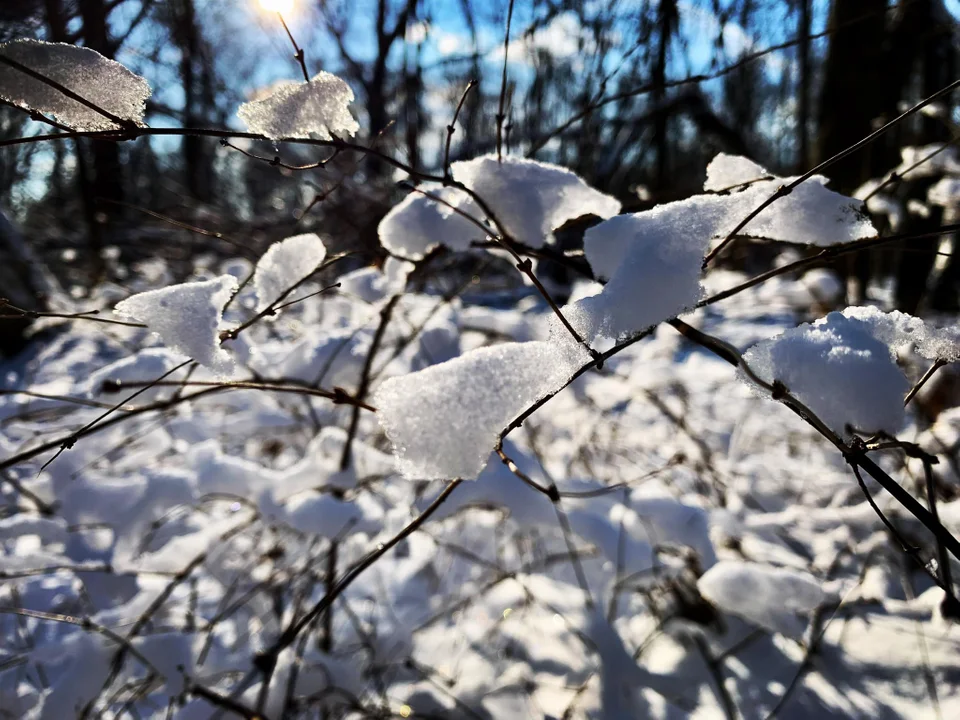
(666, 22)
(803, 91)
(57, 29)
(852, 97)
(853, 87)
(922, 46)
(107, 170)
(197, 163)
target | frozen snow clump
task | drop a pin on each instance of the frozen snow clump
(811, 214)
(317, 109)
(900, 330)
(531, 199)
(726, 172)
(284, 264)
(104, 83)
(839, 369)
(420, 223)
(444, 420)
(187, 318)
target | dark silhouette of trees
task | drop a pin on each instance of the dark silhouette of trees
(596, 87)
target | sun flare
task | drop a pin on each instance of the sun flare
(280, 6)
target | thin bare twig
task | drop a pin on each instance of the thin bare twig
(852, 454)
(92, 315)
(898, 176)
(600, 102)
(72, 440)
(297, 50)
(267, 660)
(452, 128)
(937, 364)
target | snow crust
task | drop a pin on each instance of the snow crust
(652, 260)
(285, 264)
(843, 366)
(678, 487)
(420, 223)
(725, 172)
(317, 109)
(187, 318)
(839, 369)
(773, 598)
(105, 83)
(811, 214)
(900, 331)
(445, 420)
(530, 198)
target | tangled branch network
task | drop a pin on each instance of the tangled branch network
(316, 490)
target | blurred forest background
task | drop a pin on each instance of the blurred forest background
(636, 96)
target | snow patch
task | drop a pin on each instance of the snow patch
(772, 598)
(285, 264)
(531, 199)
(187, 318)
(445, 420)
(317, 109)
(105, 83)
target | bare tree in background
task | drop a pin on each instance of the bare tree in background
(198, 82)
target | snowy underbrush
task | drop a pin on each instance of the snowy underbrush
(699, 530)
(293, 490)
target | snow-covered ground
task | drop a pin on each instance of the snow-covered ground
(253, 494)
(718, 538)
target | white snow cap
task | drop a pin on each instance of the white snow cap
(531, 199)
(725, 172)
(651, 261)
(316, 109)
(839, 369)
(770, 597)
(810, 215)
(187, 318)
(419, 223)
(105, 83)
(444, 421)
(284, 264)
(900, 330)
